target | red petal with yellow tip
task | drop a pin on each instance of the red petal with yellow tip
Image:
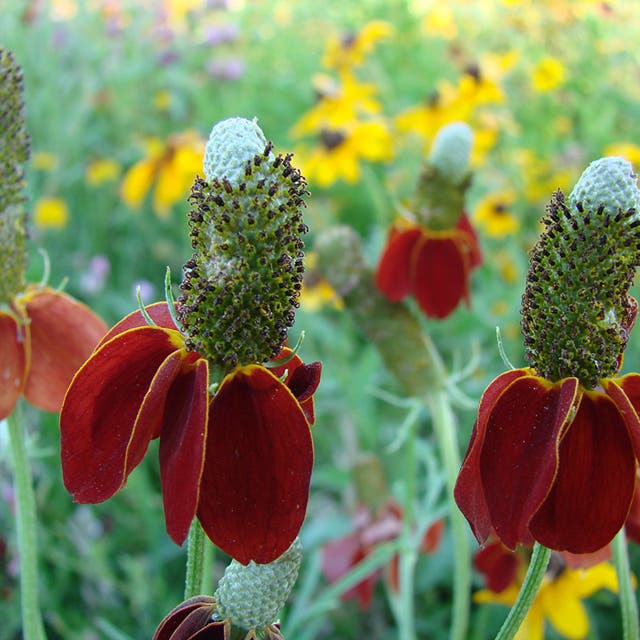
(158, 312)
(258, 460)
(393, 276)
(63, 333)
(469, 492)
(625, 392)
(440, 275)
(184, 431)
(519, 458)
(590, 498)
(98, 419)
(14, 356)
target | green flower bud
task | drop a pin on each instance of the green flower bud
(393, 329)
(576, 311)
(14, 153)
(242, 284)
(444, 180)
(252, 595)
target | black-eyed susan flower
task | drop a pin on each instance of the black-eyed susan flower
(350, 50)
(554, 450)
(560, 598)
(548, 74)
(432, 257)
(45, 335)
(493, 214)
(170, 166)
(235, 444)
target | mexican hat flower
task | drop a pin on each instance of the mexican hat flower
(561, 595)
(235, 444)
(432, 256)
(45, 335)
(244, 606)
(553, 453)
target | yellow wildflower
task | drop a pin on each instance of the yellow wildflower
(341, 150)
(44, 161)
(316, 292)
(548, 74)
(102, 170)
(51, 213)
(351, 49)
(172, 165)
(627, 150)
(493, 214)
(559, 601)
(439, 21)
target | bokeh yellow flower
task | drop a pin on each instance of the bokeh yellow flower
(350, 50)
(627, 150)
(102, 170)
(44, 161)
(559, 601)
(440, 21)
(493, 214)
(340, 152)
(548, 74)
(50, 213)
(172, 165)
(316, 292)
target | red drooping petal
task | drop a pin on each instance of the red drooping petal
(258, 461)
(591, 496)
(158, 312)
(625, 392)
(63, 333)
(519, 456)
(101, 435)
(182, 442)
(440, 274)
(473, 243)
(14, 358)
(469, 492)
(393, 276)
(497, 564)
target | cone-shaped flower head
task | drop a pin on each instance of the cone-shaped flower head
(14, 153)
(555, 448)
(252, 595)
(580, 274)
(445, 177)
(245, 225)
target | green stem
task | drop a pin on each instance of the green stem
(26, 524)
(628, 602)
(195, 560)
(444, 428)
(528, 592)
(405, 612)
(207, 567)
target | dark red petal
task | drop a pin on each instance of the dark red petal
(625, 392)
(440, 275)
(258, 461)
(632, 524)
(182, 442)
(473, 243)
(63, 333)
(393, 276)
(590, 498)
(432, 537)
(98, 425)
(497, 564)
(340, 555)
(469, 492)
(159, 313)
(14, 356)
(519, 455)
(201, 606)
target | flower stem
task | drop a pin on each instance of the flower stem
(528, 592)
(444, 428)
(628, 602)
(405, 613)
(195, 560)
(26, 524)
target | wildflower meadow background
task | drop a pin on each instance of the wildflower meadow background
(120, 98)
